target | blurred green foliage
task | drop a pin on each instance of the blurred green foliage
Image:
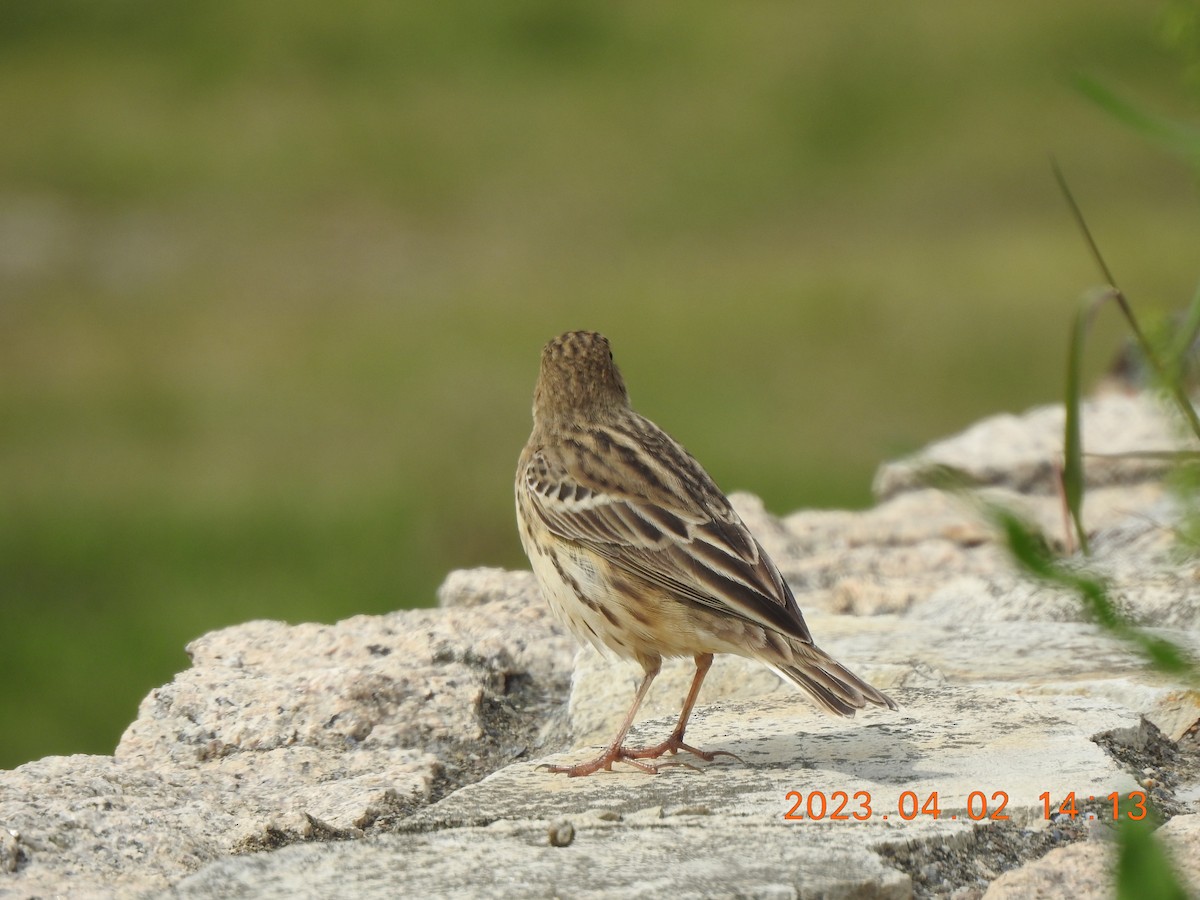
(1145, 870)
(274, 278)
(1143, 867)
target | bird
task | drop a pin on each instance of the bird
(638, 552)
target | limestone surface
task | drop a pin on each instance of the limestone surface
(399, 755)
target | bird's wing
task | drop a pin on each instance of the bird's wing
(678, 533)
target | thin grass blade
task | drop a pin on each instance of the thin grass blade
(1072, 471)
(1177, 137)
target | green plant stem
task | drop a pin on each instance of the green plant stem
(1173, 387)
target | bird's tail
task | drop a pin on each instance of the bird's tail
(830, 683)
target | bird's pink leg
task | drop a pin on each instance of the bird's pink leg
(615, 751)
(675, 743)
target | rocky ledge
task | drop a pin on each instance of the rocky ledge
(398, 755)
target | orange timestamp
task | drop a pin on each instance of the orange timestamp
(843, 806)
(1134, 809)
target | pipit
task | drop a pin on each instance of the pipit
(636, 549)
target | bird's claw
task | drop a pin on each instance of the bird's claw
(634, 758)
(674, 744)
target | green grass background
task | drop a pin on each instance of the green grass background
(274, 278)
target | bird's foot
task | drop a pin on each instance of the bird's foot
(673, 745)
(631, 757)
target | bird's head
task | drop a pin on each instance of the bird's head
(579, 377)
